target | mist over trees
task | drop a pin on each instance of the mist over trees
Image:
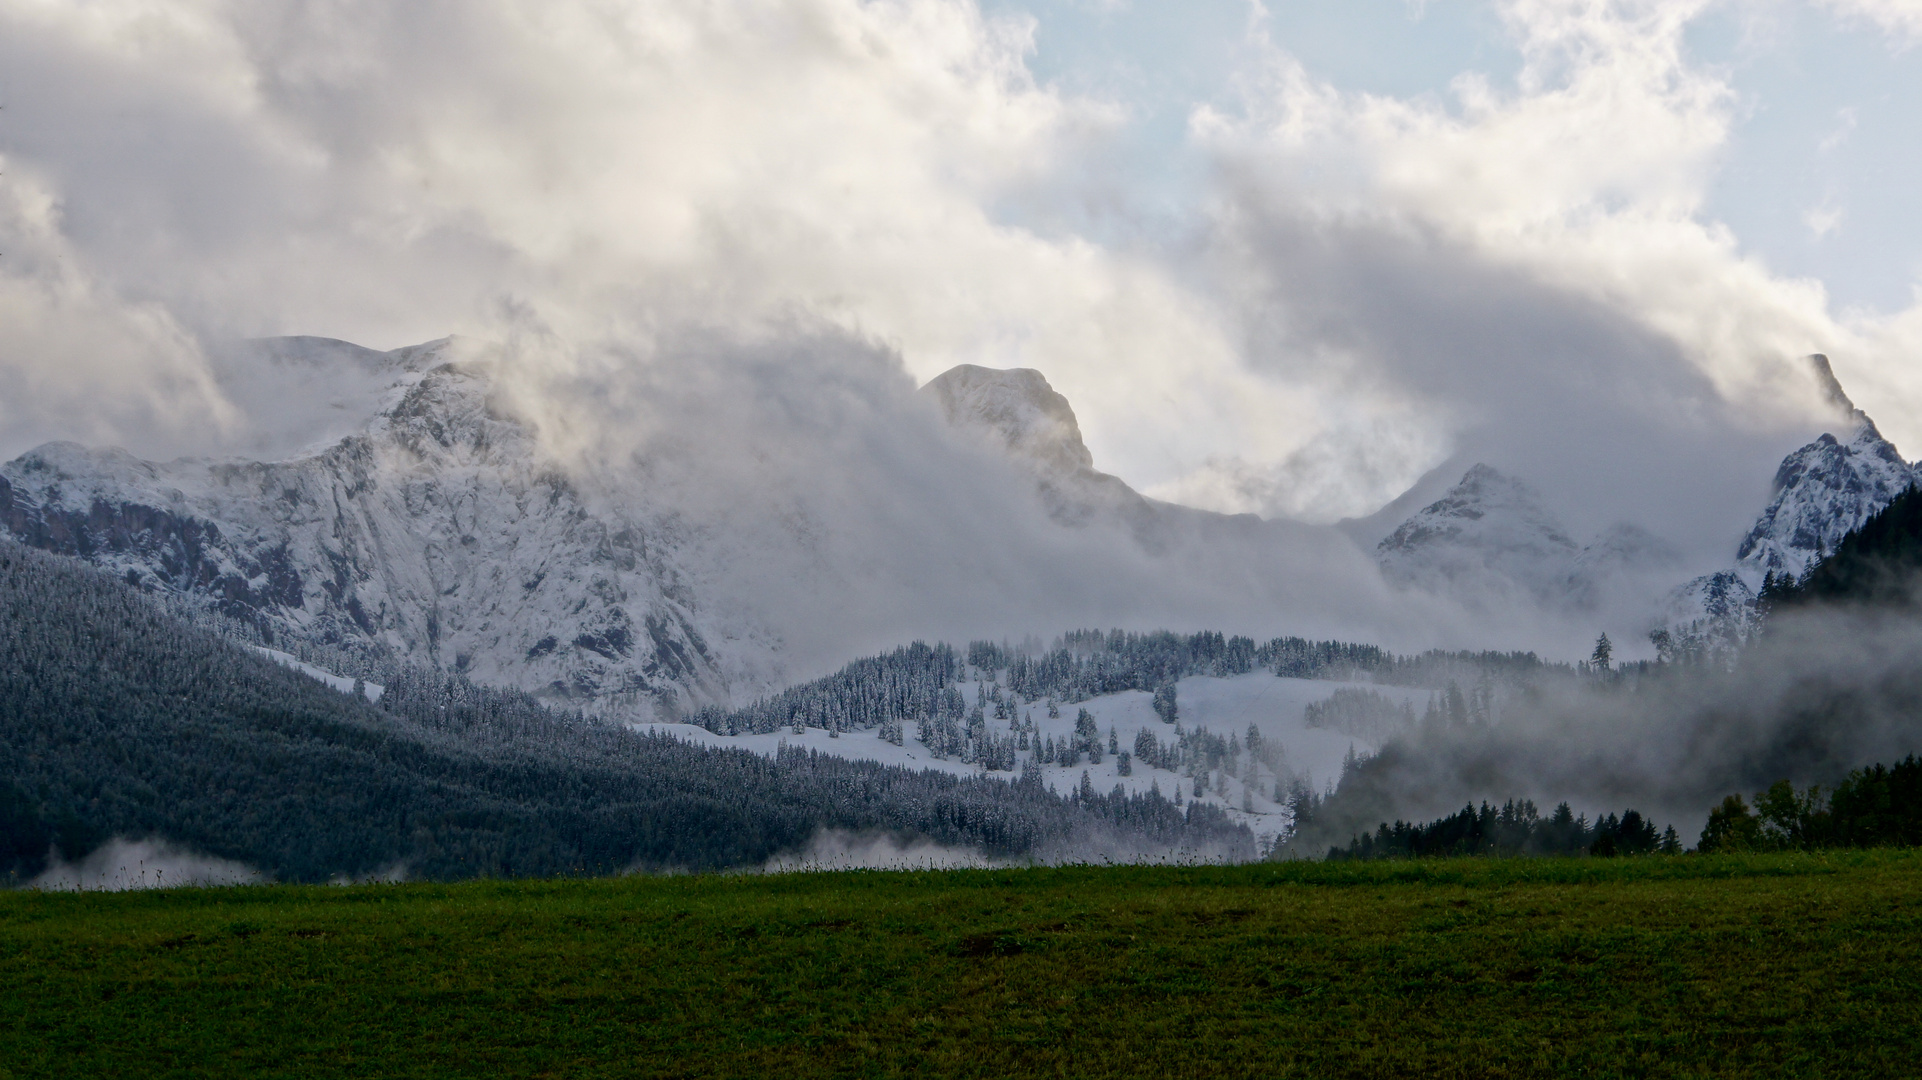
(1514, 828)
(121, 716)
(1829, 682)
(118, 719)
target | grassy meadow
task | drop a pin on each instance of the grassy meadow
(1766, 965)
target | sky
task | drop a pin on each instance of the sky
(1284, 258)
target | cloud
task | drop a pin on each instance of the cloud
(79, 361)
(392, 174)
(1822, 692)
(818, 503)
(1901, 20)
(1521, 274)
(724, 239)
(1823, 219)
(836, 849)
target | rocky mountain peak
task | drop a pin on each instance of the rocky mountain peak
(1488, 531)
(1016, 404)
(1831, 386)
(433, 528)
(1824, 490)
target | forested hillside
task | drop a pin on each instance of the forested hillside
(919, 683)
(117, 719)
(1877, 564)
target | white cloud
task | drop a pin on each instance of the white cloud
(1531, 264)
(1900, 19)
(78, 360)
(392, 173)
(1823, 219)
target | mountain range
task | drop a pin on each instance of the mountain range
(1490, 536)
(395, 502)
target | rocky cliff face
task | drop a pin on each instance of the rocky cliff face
(1017, 409)
(435, 530)
(1822, 492)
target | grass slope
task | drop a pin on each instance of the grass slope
(1781, 965)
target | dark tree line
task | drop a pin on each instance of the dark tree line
(117, 719)
(1514, 828)
(911, 683)
(1877, 806)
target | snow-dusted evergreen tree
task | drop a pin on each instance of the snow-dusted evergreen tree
(1164, 703)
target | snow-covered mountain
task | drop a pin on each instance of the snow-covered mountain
(703, 542)
(1822, 492)
(434, 528)
(1489, 538)
(1488, 533)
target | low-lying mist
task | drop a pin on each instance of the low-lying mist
(839, 849)
(1823, 691)
(122, 864)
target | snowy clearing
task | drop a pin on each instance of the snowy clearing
(1223, 706)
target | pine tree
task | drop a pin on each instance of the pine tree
(1164, 703)
(1146, 748)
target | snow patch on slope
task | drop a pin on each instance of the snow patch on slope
(372, 691)
(1275, 706)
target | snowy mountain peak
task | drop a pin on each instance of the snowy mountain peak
(1823, 491)
(435, 529)
(1488, 531)
(294, 397)
(1033, 420)
(1485, 505)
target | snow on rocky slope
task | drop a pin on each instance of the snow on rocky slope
(1489, 539)
(434, 529)
(1822, 492)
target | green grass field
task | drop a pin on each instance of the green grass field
(1785, 965)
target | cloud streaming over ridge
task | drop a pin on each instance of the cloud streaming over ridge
(643, 202)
